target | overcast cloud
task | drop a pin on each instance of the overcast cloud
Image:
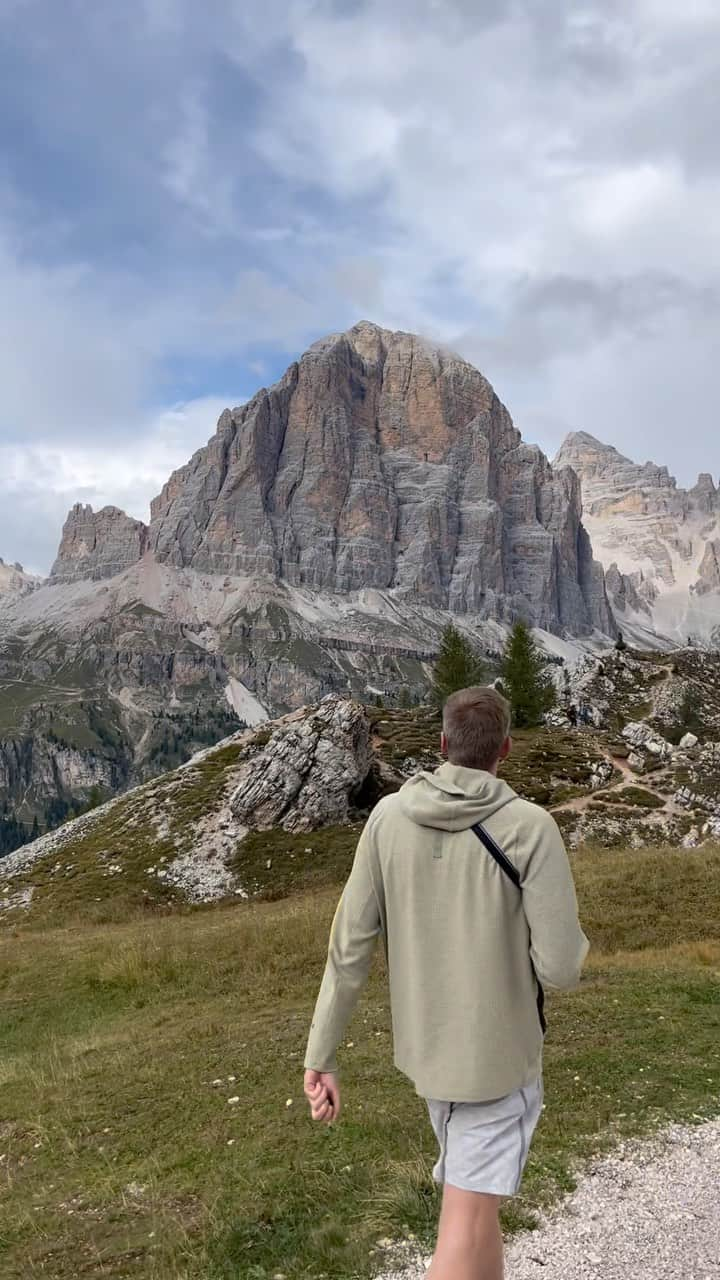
(190, 194)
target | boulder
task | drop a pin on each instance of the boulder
(557, 720)
(601, 774)
(636, 762)
(308, 772)
(643, 737)
(688, 741)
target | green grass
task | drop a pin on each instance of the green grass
(121, 1158)
(638, 796)
(274, 864)
(548, 766)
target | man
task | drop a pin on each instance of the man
(466, 950)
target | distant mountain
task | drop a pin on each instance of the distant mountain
(14, 581)
(659, 544)
(377, 462)
(318, 543)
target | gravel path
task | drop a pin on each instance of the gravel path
(649, 1211)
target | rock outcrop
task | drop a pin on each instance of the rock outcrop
(14, 581)
(304, 771)
(658, 543)
(309, 771)
(381, 462)
(98, 544)
(709, 572)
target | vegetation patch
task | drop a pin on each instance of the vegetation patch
(274, 864)
(544, 763)
(402, 734)
(638, 796)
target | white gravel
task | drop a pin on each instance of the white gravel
(650, 1211)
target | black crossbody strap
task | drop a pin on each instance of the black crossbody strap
(496, 852)
(512, 874)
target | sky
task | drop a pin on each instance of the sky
(190, 194)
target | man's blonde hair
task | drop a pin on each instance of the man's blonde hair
(476, 722)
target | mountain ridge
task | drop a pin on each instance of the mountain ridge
(659, 543)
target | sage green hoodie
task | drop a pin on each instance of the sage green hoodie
(459, 936)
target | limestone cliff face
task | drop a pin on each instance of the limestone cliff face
(657, 542)
(380, 462)
(98, 544)
(14, 581)
(709, 572)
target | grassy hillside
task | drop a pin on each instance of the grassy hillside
(115, 860)
(120, 858)
(122, 1155)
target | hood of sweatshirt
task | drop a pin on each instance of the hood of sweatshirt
(453, 798)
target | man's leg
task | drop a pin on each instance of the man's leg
(469, 1245)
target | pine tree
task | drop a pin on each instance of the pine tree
(457, 666)
(526, 680)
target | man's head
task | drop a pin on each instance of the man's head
(476, 728)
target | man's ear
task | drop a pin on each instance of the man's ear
(443, 746)
(506, 748)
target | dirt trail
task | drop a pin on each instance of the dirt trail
(648, 1211)
(628, 778)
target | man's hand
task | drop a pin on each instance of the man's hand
(323, 1093)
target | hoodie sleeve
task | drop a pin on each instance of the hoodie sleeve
(558, 945)
(353, 934)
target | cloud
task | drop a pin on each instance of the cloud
(556, 177)
(40, 481)
(190, 195)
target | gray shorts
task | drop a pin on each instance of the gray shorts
(484, 1145)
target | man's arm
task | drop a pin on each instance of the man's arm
(353, 935)
(558, 945)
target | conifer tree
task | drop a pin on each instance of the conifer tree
(457, 666)
(526, 681)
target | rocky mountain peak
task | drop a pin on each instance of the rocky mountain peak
(656, 541)
(14, 580)
(704, 495)
(98, 544)
(594, 461)
(381, 461)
